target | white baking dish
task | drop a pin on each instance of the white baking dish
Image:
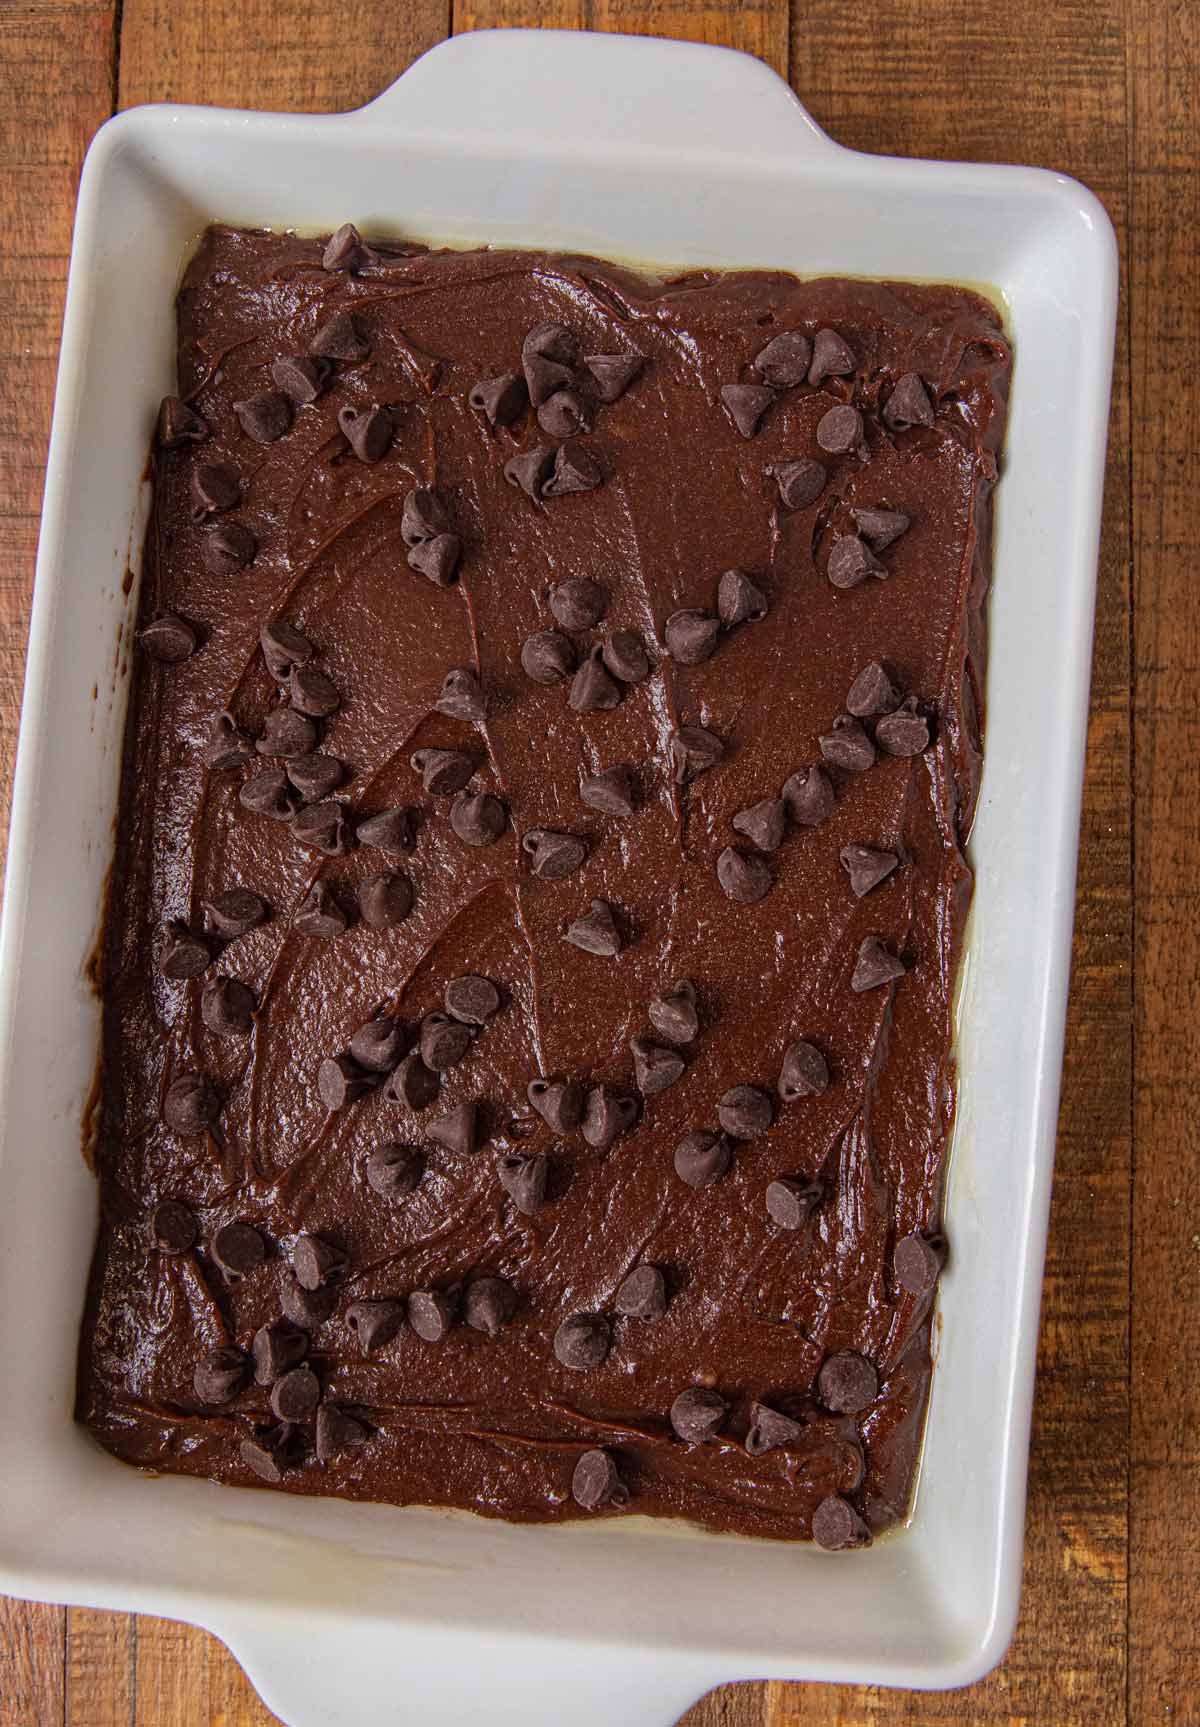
(350, 1613)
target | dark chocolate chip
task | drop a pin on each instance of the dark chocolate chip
(322, 826)
(471, 999)
(612, 791)
(593, 688)
(173, 1227)
(582, 1342)
(443, 772)
(265, 417)
(488, 1305)
(278, 1346)
(336, 1431)
(791, 1202)
(315, 776)
(411, 1084)
(673, 1014)
(183, 954)
(214, 486)
(642, 1294)
(875, 966)
(268, 794)
(502, 399)
(343, 337)
(908, 405)
(424, 516)
(771, 1431)
(654, 1068)
(301, 378)
(344, 249)
(743, 876)
(169, 639)
(443, 1041)
(237, 1250)
(316, 1261)
(851, 561)
(190, 1105)
(478, 818)
(785, 359)
(547, 657)
(917, 1261)
(394, 1170)
(295, 1395)
(179, 424)
(529, 470)
(694, 750)
(808, 796)
(847, 1383)
(698, 1414)
(691, 636)
(563, 414)
(832, 357)
(840, 430)
(880, 527)
(283, 647)
(739, 600)
(847, 746)
(553, 341)
(320, 914)
(746, 404)
(904, 733)
(220, 1376)
(624, 654)
(461, 697)
(744, 1112)
(800, 483)
(459, 1130)
(804, 1072)
(227, 746)
(437, 559)
(268, 1455)
(227, 1007)
(312, 693)
(763, 824)
(545, 377)
(866, 867)
(836, 1525)
(368, 431)
(553, 856)
(595, 1482)
(612, 374)
(385, 900)
(286, 733)
(227, 548)
(702, 1157)
(607, 1113)
(872, 692)
(393, 830)
(340, 1081)
(306, 1307)
(575, 470)
(596, 932)
(578, 603)
(559, 1102)
(523, 1178)
(431, 1313)
(375, 1323)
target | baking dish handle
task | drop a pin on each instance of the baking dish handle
(616, 94)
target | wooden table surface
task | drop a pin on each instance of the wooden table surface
(1103, 89)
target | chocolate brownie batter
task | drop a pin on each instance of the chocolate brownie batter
(540, 885)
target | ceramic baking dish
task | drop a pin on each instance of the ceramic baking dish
(342, 1614)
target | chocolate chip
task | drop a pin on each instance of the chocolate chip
(312, 693)
(173, 1227)
(763, 824)
(847, 1383)
(784, 361)
(529, 470)
(800, 483)
(502, 399)
(791, 1202)
(283, 647)
(306, 1307)
(443, 1041)
(743, 876)
(673, 1014)
(808, 796)
(866, 867)
(301, 378)
(392, 830)
(596, 932)
(917, 1261)
(593, 689)
(880, 527)
(471, 999)
(344, 250)
(836, 1525)
(523, 1179)
(340, 1081)
(424, 516)
(443, 772)
(431, 1313)
(702, 1157)
(582, 1342)
(169, 639)
(642, 1294)
(771, 1431)
(694, 750)
(904, 733)
(596, 1483)
(874, 966)
(840, 430)
(228, 548)
(654, 1068)
(564, 413)
(286, 733)
(746, 404)
(459, 1130)
(691, 636)
(804, 1072)
(214, 486)
(412, 1084)
(385, 900)
(265, 417)
(478, 818)
(847, 746)
(314, 776)
(316, 1261)
(744, 1112)
(190, 1105)
(183, 954)
(268, 794)
(368, 431)
(575, 470)
(908, 405)
(237, 1250)
(336, 1431)
(295, 1396)
(578, 603)
(179, 424)
(488, 1305)
(394, 1170)
(552, 341)
(872, 692)
(698, 1414)
(320, 914)
(624, 654)
(553, 856)
(227, 746)
(220, 1376)
(227, 1007)
(559, 1102)
(607, 1113)
(322, 826)
(544, 377)
(739, 600)
(278, 1346)
(832, 357)
(375, 1323)
(547, 657)
(851, 561)
(612, 374)
(268, 1454)
(343, 337)
(611, 791)
(460, 697)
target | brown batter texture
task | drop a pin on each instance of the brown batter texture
(796, 1314)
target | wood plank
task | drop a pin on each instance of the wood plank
(31, 1664)
(756, 26)
(1164, 317)
(100, 1669)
